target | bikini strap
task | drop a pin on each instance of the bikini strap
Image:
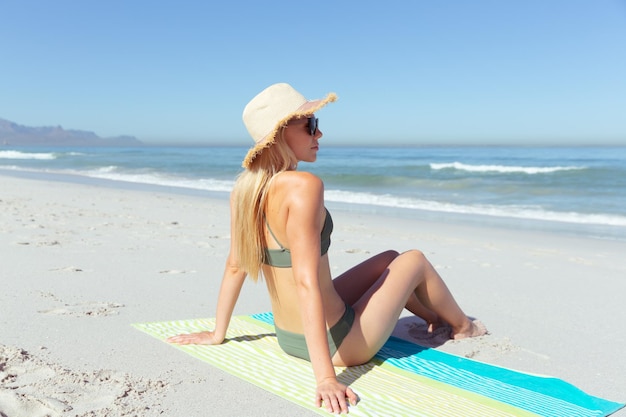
(265, 217)
(272, 233)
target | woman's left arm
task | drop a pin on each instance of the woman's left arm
(306, 211)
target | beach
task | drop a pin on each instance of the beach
(81, 262)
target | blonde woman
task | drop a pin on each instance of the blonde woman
(280, 229)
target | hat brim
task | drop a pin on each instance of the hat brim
(304, 110)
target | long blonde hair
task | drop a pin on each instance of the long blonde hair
(251, 191)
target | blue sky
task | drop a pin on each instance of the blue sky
(411, 71)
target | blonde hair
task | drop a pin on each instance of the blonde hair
(251, 191)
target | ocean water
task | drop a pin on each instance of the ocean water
(575, 189)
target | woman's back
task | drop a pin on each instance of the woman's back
(295, 218)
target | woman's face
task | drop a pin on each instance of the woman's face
(298, 136)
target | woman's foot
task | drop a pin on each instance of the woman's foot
(435, 324)
(472, 328)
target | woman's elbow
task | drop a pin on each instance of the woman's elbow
(233, 269)
(232, 266)
(305, 285)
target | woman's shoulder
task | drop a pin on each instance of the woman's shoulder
(299, 179)
(299, 186)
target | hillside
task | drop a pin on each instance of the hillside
(14, 134)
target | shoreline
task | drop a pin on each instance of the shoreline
(593, 231)
(82, 261)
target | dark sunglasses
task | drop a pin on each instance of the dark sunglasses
(312, 125)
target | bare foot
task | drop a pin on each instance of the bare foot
(434, 325)
(473, 328)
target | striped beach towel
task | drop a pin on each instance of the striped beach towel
(404, 379)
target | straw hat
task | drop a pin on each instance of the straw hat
(271, 109)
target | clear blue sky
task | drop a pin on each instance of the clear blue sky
(411, 71)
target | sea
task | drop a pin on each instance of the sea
(575, 190)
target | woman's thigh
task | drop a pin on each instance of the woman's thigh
(378, 309)
(352, 284)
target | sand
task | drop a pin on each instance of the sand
(81, 262)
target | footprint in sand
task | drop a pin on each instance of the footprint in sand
(177, 271)
(34, 387)
(352, 251)
(67, 269)
(85, 309)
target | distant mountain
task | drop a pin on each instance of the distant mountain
(14, 134)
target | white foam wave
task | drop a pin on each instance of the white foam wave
(503, 169)
(105, 170)
(510, 211)
(110, 173)
(26, 155)
(11, 168)
(205, 184)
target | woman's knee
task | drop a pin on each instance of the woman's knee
(389, 255)
(414, 254)
(414, 257)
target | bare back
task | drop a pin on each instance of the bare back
(295, 213)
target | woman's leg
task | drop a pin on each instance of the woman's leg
(378, 309)
(415, 306)
(352, 284)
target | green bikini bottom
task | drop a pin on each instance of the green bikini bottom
(294, 344)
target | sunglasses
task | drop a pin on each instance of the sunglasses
(312, 125)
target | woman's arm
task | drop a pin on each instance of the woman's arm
(232, 281)
(303, 229)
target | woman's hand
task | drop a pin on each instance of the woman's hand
(333, 395)
(200, 338)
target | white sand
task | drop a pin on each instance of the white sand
(80, 263)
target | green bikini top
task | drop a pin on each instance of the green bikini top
(281, 258)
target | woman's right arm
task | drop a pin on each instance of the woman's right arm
(232, 282)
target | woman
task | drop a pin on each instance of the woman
(281, 229)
